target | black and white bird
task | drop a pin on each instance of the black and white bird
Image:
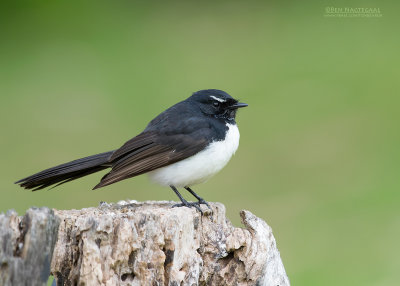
(183, 146)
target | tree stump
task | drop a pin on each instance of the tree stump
(151, 243)
(26, 247)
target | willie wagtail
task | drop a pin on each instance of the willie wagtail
(183, 146)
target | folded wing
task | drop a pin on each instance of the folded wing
(151, 150)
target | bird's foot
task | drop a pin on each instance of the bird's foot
(195, 205)
(203, 202)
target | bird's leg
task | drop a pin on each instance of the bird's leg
(200, 199)
(184, 202)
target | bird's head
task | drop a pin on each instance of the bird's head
(217, 103)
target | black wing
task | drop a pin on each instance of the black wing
(156, 147)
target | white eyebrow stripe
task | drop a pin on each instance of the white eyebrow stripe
(217, 99)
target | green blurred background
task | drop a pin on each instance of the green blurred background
(319, 152)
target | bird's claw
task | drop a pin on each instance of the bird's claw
(203, 202)
(189, 205)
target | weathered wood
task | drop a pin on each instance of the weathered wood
(150, 243)
(26, 246)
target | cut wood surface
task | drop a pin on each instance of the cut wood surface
(137, 243)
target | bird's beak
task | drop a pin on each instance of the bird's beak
(238, 105)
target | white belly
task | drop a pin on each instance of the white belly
(200, 167)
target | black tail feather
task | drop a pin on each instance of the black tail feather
(67, 172)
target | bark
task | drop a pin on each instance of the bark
(26, 246)
(150, 243)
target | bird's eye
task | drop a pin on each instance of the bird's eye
(216, 103)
